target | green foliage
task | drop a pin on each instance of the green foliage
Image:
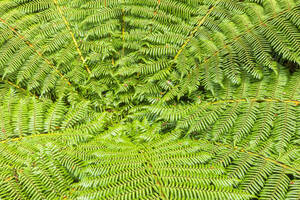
(164, 167)
(149, 99)
(247, 115)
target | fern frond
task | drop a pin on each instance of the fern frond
(149, 99)
(152, 174)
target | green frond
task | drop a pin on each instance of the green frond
(149, 173)
(42, 175)
(149, 99)
(276, 187)
(248, 117)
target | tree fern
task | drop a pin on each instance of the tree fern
(144, 99)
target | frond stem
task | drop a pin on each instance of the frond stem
(192, 33)
(123, 31)
(31, 136)
(255, 100)
(35, 50)
(150, 166)
(72, 35)
(20, 88)
(260, 156)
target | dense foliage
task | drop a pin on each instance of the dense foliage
(150, 99)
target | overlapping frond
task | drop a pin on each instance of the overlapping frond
(247, 115)
(72, 40)
(22, 115)
(34, 172)
(133, 161)
(165, 168)
(149, 99)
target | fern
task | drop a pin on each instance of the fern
(144, 99)
(145, 173)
